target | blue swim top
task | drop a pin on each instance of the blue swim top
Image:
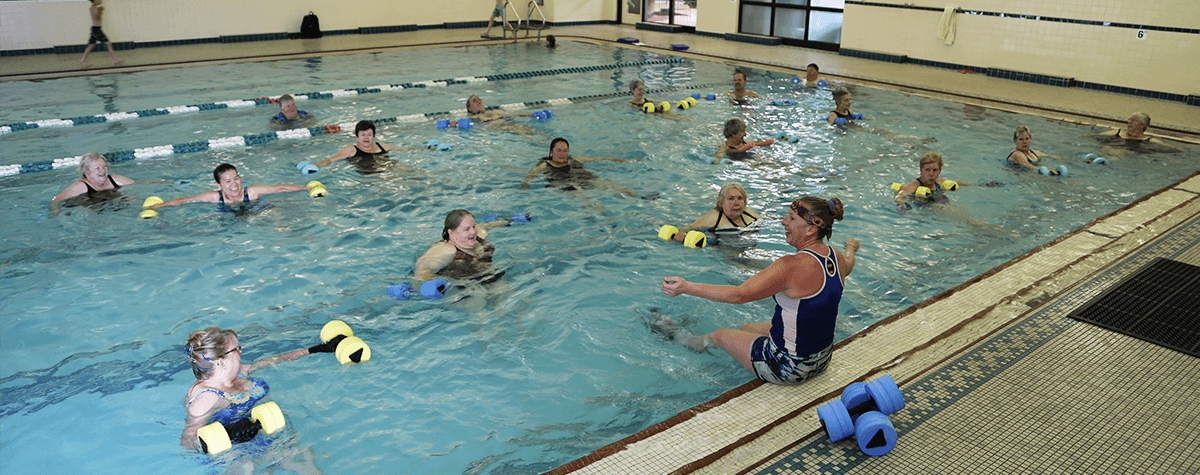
(239, 403)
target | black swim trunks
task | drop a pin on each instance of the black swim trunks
(97, 36)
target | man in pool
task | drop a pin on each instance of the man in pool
(231, 196)
(480, 113)
(97, 35)
(739, 91)
(812, 76)
(289, 117)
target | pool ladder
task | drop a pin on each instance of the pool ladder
(530, 23)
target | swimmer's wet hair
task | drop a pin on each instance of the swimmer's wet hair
(1143, 118)
(1021, 128)
(827, 211)
(733, 185)
(839, 94)
(813, 65)
(286, 97)
(222, 168)
(88, 158)
(555, 142)
(364, 125)
(733, 126)
(204, 346)
(932, 157)
(454, 219)
(635, 83)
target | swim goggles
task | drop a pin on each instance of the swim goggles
(188, 350)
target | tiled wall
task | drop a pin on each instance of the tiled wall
(31, 25)
(1064, 39)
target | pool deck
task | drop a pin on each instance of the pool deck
(996, 377)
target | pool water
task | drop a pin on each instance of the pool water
(519, 377)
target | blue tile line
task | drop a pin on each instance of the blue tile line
(986, 361)
(115, 116)
(258, 139)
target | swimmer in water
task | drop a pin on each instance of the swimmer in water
(365, 153)
(480, 113)
(931, 180)
(729, 215)
(231, 196)
(735, 141)
(224, 392)
(1023, 156)
(96, 185)
(1134, 136)
(566, 172)
(739, 92)
(289, 117)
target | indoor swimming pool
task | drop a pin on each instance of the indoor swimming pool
(519, 376)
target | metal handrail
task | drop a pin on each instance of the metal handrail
(533, 6)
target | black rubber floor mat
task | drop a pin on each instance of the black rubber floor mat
(1160, 303)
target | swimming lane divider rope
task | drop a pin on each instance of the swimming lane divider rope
(115, 116)
(257, 139)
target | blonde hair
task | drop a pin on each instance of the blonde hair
(88, 159)
(932, 157)
(1021, 128)
(733, 185)
(203, 347)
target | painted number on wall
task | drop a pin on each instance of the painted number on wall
(1141, 35)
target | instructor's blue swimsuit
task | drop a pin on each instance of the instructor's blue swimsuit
(801, 341)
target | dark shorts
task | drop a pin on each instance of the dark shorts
(774, 365)
(97, 36)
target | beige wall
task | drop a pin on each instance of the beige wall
(1162, 61)
(43, 24)
(717, 16)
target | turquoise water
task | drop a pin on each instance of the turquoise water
(520, 377)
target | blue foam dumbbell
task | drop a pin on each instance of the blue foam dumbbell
(434, 289)
(307, 168)
(441, 124)
(464, 123)
(862, 411)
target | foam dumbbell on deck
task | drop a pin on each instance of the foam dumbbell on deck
(835, 420)
(874, 433)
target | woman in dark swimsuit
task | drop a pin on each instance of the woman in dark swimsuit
(567, 173)
(96, 185)
(231, 195)
(730, 213)
(366, 154)
(463, 252)
(1023, 156)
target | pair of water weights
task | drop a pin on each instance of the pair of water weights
(863, 411)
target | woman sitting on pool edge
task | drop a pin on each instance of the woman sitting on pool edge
(366, 154)
(566, 172)
(730, 210)
(231, 196)
(1022, 156)
(797, 343)
(225, 393)
(735, 144)
(95, 185)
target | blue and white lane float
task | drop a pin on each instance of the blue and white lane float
(256, 139)
(232, 104)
